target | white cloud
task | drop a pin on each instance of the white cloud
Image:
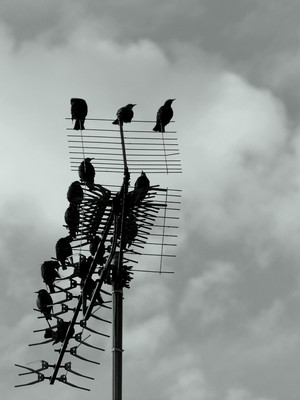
(244, 182)
(147, 337)
(208, 295)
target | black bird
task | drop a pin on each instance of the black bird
(72, 219)
(124, 114)
(75, 193)
(48, 333)
(163, 116)
(88, 286)
(130, 230)
(62, 329)
(94, 244)
(63, 250)
(141, 188)
(86, 172)
(79, 111)
(44, 303)
(83, 266)
(142, 182)
(49, 273)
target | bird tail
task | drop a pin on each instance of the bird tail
(90, 185)
(116, 122)
(79, 125)
(63, 264)
(48, 316)
(48, 333)
(158, 128)
(51, 288)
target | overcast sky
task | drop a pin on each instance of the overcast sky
(226, 324)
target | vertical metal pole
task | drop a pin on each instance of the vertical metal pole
(123, 145)
(117, 289)
(117, 336)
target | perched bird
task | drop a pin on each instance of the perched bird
(130, 230)
(163, 116)
(88, 286)
(142, 182)
(48, 333)
(141, 188)
(62, 329)
(63, 250)
(79, 111)
(124, 114)
(94, 246)
(83, 266)
(75, 193)
(86, 172)
(49, 273)
(44, 303)
(72, 219)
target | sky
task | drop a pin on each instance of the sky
(226, 324)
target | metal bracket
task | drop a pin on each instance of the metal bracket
(82, 323)
(40, 377)
(73, 352)
(63, 379)
(69, 369)
(78, 338)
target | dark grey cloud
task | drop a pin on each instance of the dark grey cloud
(239, 30)
(250, 37)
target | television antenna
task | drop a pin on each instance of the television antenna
(109, 229)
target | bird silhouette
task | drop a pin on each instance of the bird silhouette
(48, 333)
(86, 172)
(141, 188)
(72, 219)
(62, 329)
(49, 273)
(83, 266)
(142, 182)
(88, 286)
(63, 250)
(79, 111)
(130, 230)
(75, 193)
(94, 246)
(124, 114)
(44, 303)
(163, 116)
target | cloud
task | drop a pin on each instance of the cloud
(246, 184)
(242, 394)
(183, 377)
(208, 295)
(207, 330)
(191, 386)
